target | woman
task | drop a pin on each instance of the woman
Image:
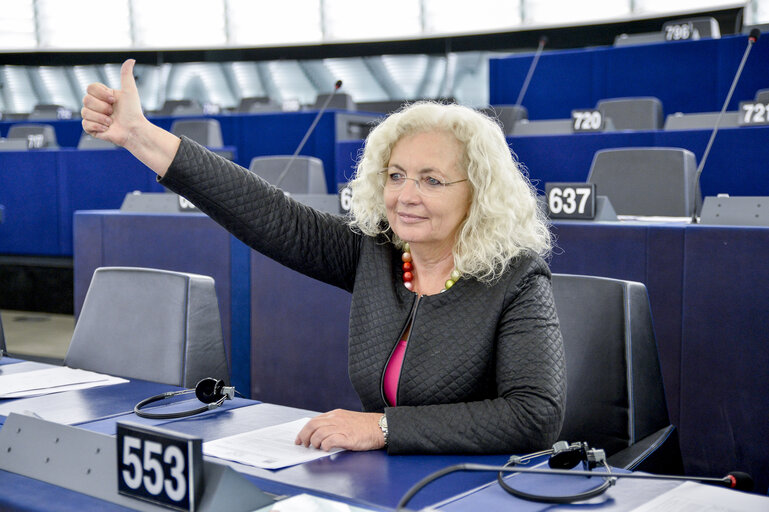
(454, 343)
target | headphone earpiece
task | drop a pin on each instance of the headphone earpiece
(210, 391)
(567, 456)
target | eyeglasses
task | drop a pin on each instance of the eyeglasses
(395, 179)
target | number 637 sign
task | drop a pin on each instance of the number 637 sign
(570, 200)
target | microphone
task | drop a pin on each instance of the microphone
(323, 108)
(752, 38)
(734, 480)
(525, 86)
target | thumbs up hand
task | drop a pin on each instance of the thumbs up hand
(111, 114)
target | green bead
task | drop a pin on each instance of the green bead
(449, 284)
(456, 274)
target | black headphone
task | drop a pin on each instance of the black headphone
(210, 391)
(563, 456)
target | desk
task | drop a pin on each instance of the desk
(366, 478)
(372, 480)
(706, 286)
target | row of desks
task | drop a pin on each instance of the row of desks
(372, 480)
(706, 286)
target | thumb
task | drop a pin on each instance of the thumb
(127, 81)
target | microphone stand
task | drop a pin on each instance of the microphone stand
(752, 38)
(309, 131)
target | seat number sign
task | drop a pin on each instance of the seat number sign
(752, 113)
(158, 466)
(570, 200)
(586, 120)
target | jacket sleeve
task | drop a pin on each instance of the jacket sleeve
(317, 244)
(527, 413)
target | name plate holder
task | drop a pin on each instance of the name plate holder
(86, 462)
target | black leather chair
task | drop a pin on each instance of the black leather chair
(150, 324)
(615, 395)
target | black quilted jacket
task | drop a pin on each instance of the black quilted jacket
(484, 369)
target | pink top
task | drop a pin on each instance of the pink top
(393, 373)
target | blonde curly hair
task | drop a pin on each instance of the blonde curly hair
(504, 218)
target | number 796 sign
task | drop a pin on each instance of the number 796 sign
(570, 200)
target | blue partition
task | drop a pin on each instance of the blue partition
(736, 164)
(687, 76)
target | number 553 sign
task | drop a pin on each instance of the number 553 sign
(165, 468)
(570, 200)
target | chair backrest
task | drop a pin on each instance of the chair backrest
(643, 113)
(150, 324)
(340, 100)
(90, 142)
(13, 144)
(615, 394)
(207, 132)
(543, 127)
(701, 121)
(762, 96)
(36, 135)
(507, 115)
(170, 106)
(50, 111)
(646, 181)
(305, 176)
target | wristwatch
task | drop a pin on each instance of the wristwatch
(383, 427)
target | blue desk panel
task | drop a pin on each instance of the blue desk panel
(725, 352)
(687, 76)
(29, 189)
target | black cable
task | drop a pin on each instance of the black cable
(586, 495)
(609, 479)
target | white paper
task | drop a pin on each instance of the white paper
(268, 448)
(309, 503)
(695, 497)
(52, 380)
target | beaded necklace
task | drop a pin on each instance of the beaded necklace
(408, 272)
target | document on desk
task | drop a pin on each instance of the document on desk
(694, 497)
(52, 380)
(268, 448)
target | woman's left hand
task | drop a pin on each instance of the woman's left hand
(358, 431)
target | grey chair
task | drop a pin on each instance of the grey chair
(207, 132)
(305, 175)
(701, 121)
(50, 112)
(642, 113)
(37, 135)
(543, 127)
(90, 142)
(615, 398)
(646, 181)
(507, 115)
(13, 144)
(257, 104)
(762, 96)
(340, 101)
(150, 324)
